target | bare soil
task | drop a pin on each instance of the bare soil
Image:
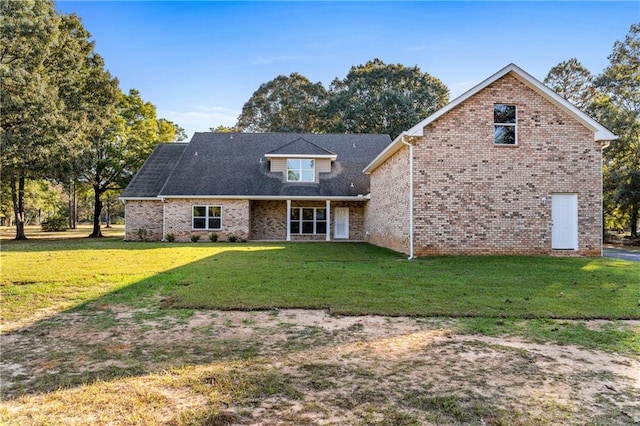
(118, 365)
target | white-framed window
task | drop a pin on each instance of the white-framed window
(505, 130)
(308, 220)
(206, 217)
(301, 170)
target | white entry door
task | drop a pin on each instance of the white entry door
(341, 222)
(564, 221)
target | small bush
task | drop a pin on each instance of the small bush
(195, 238)
(142, 234)
(232, 238)
(55, 224)
(171, 238)
(213, 237)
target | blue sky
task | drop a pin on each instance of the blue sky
(200, 61)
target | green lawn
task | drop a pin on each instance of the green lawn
(346, 278)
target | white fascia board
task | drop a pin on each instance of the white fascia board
(268, 197)
(295, 156)
(391, 149)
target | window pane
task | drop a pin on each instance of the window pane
(199, 223)
(307, 227)
(321, 227)
(307, 214)
(293, 164)
(308, 176)
(295, 214)
(293, 176)
(214, 223)
(320, 214)
(505, 135)
(306, 164)
(199, 211)
(214, 211)
(295, 227)
(504, 113)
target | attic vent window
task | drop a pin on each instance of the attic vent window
(301, 170)
(504, 124)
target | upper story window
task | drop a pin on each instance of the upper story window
(301, 170)
(504, 124)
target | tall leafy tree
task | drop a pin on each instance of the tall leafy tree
(619, 109)
(571, 80)
(114, 156)
(285, 104)
(380, 98)
(32, 113)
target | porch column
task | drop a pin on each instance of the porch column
(328, 212)
(288, 220)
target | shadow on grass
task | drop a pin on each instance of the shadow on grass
(147, 327)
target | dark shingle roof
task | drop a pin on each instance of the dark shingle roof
(234, 164)
(300, 146)
(154, 172)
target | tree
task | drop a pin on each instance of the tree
(380, 98)
(115, 156)
(619, 110)
(284, 104)
(571, 80)
(31, 111)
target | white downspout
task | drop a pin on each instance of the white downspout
(410, 196)
(164, 222)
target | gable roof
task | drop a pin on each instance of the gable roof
(600, 133)
(235, 165)
(301, 148)
(149, 180)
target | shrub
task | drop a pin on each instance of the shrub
(213, 237)
(232, 238)
(171, 238)
(195, 238)
(142, 234)
(55, 224)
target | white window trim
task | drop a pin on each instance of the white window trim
(315, 221)
(299, 170)
(206, 218)
(514, 125)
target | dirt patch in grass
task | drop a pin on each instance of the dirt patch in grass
(112, 364)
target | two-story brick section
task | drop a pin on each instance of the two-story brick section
(508, 167)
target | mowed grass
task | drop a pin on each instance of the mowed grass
(346, 278)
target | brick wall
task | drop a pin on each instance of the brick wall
(235, 218)
(387, 212)
(143, 215)
(472, 196)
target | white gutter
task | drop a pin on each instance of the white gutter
(410, 194)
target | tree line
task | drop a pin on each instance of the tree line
(372, 98)
(64, 118)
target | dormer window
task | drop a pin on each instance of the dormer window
(301, 170)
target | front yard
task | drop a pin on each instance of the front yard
(97, 332)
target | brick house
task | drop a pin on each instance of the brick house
(255, 186)
(508, 167)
